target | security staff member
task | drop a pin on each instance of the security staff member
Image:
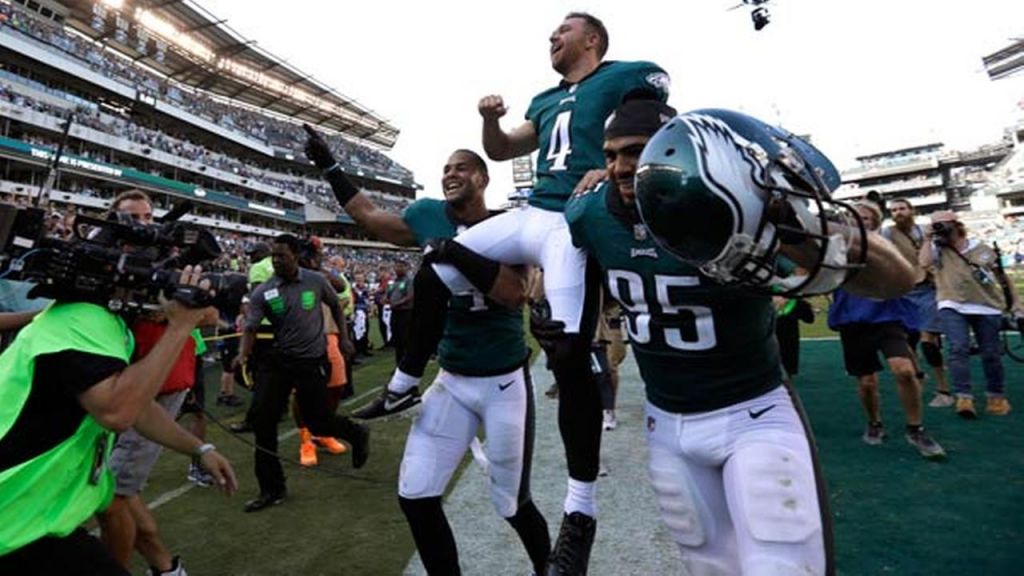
(67, 386)
(291, 301)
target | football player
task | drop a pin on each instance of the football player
(483, 381)
(731, 458)
(565, 123)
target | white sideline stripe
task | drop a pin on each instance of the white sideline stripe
(187, 486)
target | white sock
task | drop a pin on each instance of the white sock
(401, 382)
(581, 498)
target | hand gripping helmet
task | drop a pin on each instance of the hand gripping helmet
(722, 191)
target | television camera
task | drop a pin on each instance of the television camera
(117, 263)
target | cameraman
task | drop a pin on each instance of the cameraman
(969, 298)
(67, 385)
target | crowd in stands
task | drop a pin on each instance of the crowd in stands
(91, 117)
(285, 136)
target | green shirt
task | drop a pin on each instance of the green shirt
(700, 346)
(53, 492)
(569, 122)
(481, 337)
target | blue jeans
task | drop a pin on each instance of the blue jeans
(956, 327)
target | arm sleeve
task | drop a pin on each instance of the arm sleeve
(74, 372)
(574, 212)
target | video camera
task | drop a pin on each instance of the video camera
(117, 263)
(942, 231)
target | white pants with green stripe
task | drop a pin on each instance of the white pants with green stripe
(454, 409)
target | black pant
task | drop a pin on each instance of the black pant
(277, 375)
(400, 331)
(75, 554)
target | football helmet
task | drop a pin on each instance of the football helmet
(723, 191)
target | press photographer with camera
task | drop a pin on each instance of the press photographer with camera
(970, 296)
(69, 381)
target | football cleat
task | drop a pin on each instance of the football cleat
(571, 553)
(388, 404)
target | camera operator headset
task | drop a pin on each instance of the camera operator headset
(970, 297)
(68, 386)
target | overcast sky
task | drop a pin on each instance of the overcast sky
(860, 76)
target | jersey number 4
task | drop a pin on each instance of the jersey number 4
(639, 311)
(559, 146)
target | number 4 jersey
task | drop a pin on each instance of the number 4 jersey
(700, 346)
(481, 338)
(569, 121)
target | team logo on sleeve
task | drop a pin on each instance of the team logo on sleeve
(659, 80)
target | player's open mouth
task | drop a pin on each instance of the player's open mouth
(555, 48)
(450, 186)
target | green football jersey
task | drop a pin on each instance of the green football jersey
(481, 337)
(700, 346)
(569, 121)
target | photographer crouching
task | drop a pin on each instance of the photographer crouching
(970, 297)
(68, 386)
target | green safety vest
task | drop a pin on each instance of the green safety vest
(54, 492)
(350, 308)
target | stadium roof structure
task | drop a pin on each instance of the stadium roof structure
(924, 148)
(1005, 62)
(198, 50)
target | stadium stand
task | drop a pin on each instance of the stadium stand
(133, 124)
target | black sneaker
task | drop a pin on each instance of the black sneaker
(388, 404)
(925, 444)
(874, 434)
(571, 553)
(264, 501)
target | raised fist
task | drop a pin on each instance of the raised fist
(492, 107)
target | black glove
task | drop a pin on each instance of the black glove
(317, 150)
(546, 330)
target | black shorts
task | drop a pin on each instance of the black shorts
(862, 342)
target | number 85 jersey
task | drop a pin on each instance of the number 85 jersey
(700, 346)
(569, 122)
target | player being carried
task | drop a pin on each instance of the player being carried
(731, 460)
(565, 122)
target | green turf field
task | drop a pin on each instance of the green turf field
(895, 514)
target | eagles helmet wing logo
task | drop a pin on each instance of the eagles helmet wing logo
(716, 142)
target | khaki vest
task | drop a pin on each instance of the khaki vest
(957, 281)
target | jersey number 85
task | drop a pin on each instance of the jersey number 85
(628, 288)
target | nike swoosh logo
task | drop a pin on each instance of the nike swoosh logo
(755, 415)
(388, 404)
(502, 387)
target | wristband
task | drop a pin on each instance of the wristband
(340, 185)
(203, 449)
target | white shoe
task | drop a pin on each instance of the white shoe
(610, 423)
(942, 401)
